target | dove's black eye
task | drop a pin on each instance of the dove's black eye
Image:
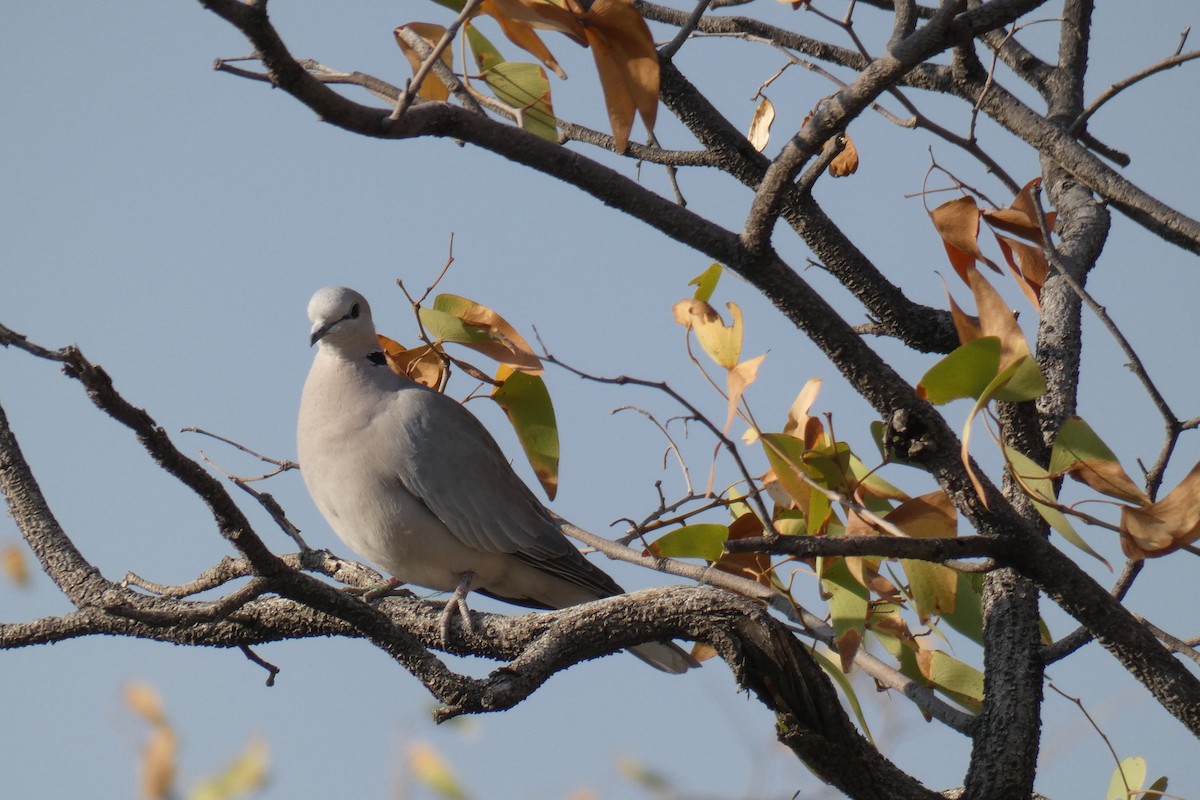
(354, 311)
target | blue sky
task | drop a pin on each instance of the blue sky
(173, 222)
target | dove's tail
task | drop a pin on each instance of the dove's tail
(667, 656)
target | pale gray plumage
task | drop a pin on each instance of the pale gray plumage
(412, 481)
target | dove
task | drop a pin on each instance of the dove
(411, 481)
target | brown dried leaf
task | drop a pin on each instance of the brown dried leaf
(846, 162)
(1020, 218)
(432, 87)
(755, 566)
(1163, 527)
(925, 517)
(422, 364)
(997, 319)
(957, 222)
(1027, 263)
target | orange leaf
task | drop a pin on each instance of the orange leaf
(957, 221)
(536, 14)
(422, 364)
(846, 162)
(13, 565)
(626, 61)
(432, 87)
(1165, 526)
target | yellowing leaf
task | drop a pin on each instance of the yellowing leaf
(957, 221)
(457, 319)
(704, 540)
(156, 767)
(739, 378)
(626, 61)
(525, 87)
(1080, 453)
(434, 772)
(799, 423)
(1127, 780)
(246, 775)
(526, 402)
(13, 564)
(722, 342)
(1163, 527)
(846, 162)
(760, 124)
(958, 681)
(432, 87)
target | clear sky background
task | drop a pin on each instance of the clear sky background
(173, 222)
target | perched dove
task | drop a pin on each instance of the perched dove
(409, 479)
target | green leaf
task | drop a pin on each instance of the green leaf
(1130, 772)
(1035, 479)
(1078, 451)
(445, 327)
(933, 587)
(965, 372)
(704, 540)
(839, 677)
(706, 282)
(525, 86)
(848, 606)
(786, 455)
(526, 402)
(967, 616)
(486, 54)
(957, 680)
(1022, 380)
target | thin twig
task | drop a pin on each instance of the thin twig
(1135, 364)
(271, 669)
(432, 57)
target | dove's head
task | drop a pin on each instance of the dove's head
(341, 319)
